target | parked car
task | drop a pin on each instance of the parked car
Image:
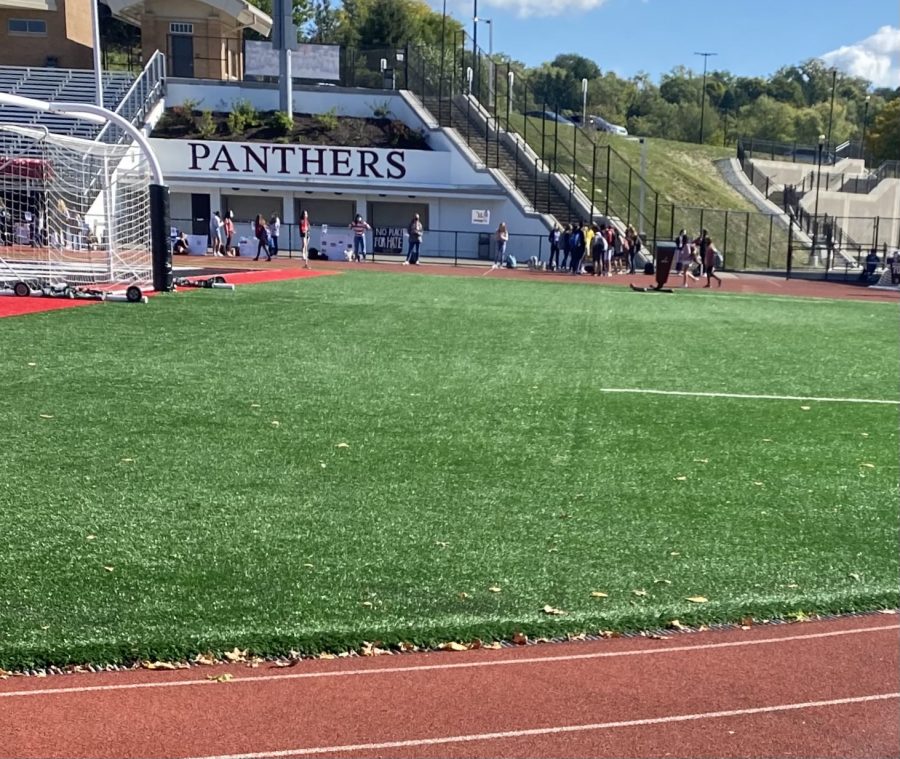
(602, 125)
(550, 116)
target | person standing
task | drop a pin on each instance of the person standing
(700, 245)
(359, 226)
(588, 231)
(304, 238)
(555, 236)
(501, 238)
(415, 231)
(576, 243)
(274, 231)
(216, 234)
(566, 247)
(228, 226)
(600, 252)
(261, 231)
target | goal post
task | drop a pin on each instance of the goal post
(80, 211)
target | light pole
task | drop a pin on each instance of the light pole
(814, 253)
(831, 112)
(865, 124)
(510, 79)
(703, 92)
(474, 37)
(584, 85)
(490, 23)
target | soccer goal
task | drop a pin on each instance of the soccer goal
(79, 215)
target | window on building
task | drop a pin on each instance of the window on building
(180, 27)
(27, 26)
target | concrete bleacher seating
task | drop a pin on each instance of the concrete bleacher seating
(59, 85)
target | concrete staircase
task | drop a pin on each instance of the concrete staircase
(498, 149)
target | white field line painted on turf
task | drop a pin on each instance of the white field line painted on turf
(554, 730)
(457, 665)
(642, 391)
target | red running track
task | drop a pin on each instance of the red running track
(823, 689)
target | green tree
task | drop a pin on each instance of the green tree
(884, 137)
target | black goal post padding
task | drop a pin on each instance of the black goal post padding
(159, 238)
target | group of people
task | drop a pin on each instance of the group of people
(597, 249)
(696, 258)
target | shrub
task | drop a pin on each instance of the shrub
(206, 127)
(381, 110)
(328, 120)
(183, 114)
(281, 123)
(243, 116)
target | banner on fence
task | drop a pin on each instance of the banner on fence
(481, 217)
(388, 239)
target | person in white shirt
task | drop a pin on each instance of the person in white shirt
(216, 234)
(274, 230)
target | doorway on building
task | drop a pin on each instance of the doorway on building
(181, 55)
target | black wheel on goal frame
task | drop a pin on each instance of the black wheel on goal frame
(218, 280)
(133, 294)
(22, 289)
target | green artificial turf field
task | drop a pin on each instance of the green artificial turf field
(310, 464)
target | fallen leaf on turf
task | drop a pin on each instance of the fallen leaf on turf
(31, 363)
(799, 616)
(552, 611)
(493, 645)
(236, 654)
(520, 639)
(867, 465)
(701, 461)
(158, 665)
(254, 405)
(641, 592)
(804, 408)
(372, 649)
(576, 636)
(758, 483)
(462, 596)
(4, 674)
(342, 445)
(792, 585)
(610, 634)
(284, 664)
(599, 594)
(441, 543)
(655, 636)
(90, 537)
(309, 566)
(855, 576)
(768, 440)
(223, 678)
(864, 434)
(697, 599)
(453, 646)
(323, 464)
(676, 625)
(206, 659)
(674, 553)
(46, 416)
(681, 478)
(663, 582)
(747, 621)
(109, 569)
(367, 604)
(887, 611)
(326, 655)
(495, 588)
(407, 647)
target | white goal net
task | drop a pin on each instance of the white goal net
(72, 211)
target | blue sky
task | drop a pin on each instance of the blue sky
(752, 37)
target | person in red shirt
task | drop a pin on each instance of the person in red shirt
(229, 233)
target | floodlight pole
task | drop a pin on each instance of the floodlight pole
(703, 92)
(98, 63)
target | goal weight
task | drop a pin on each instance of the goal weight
(160, 250)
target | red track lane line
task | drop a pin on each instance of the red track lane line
(555, 730)
(698, 647)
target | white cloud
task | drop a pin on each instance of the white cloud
(532, 8)
(876, 58)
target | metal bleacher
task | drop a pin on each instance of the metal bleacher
(59, 85)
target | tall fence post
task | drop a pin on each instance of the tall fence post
(608, 172)
(655, 225)
(455, 248)
(593, 182)
(725, 236)
(769, 247)
(790, 248)
(746, 239)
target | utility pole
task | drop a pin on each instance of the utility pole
(703, 92)
(831, 112)
(284, 39)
